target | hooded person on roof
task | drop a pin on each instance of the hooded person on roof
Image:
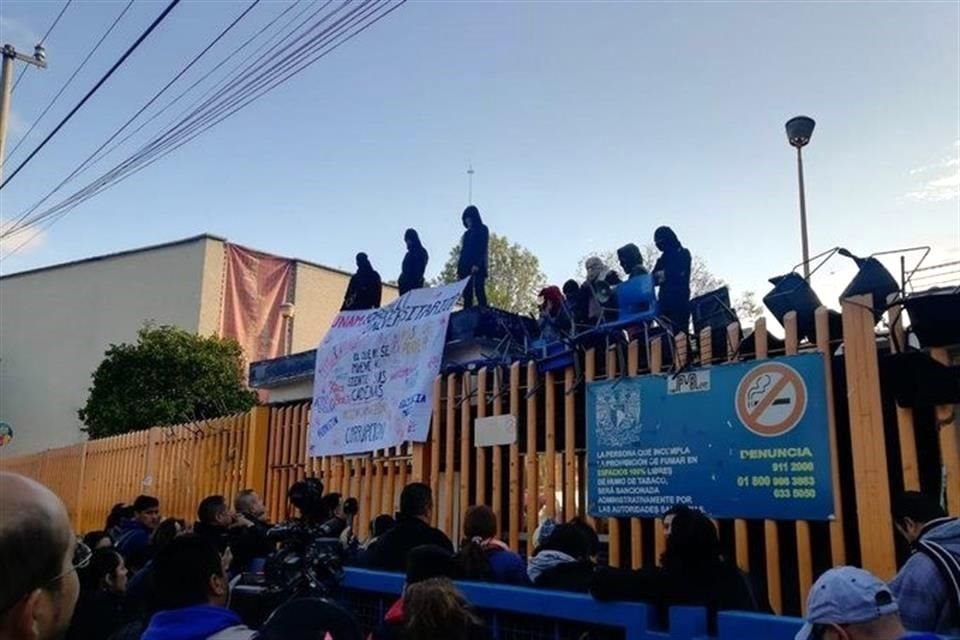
(365, 288)
(474, 257)
(672, 273)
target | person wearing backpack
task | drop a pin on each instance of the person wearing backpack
(483, 556)
(928, 585)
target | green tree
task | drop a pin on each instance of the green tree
(514, 280)
(170, 376)
(702, 279)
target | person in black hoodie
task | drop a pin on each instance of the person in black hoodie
(693, 572)
(99, 611)
(474, 257)
(412, 529)
(563, 560)
(414, 263)
(365, 288)
(672, 273)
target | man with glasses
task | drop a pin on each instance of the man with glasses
(39, 558)
(847, 603)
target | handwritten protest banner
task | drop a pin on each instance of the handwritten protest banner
(373, 379)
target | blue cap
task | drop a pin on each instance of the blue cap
(847, 595)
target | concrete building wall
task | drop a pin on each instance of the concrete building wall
(211, 288)
(56, 323)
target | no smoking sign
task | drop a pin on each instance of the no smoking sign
(771, 399)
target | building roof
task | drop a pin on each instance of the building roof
(164, 245)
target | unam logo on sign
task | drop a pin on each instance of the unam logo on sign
(771, 399)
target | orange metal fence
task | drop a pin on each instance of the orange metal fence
(877, 449)
(180, 465)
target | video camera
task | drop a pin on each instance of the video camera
(308, 561)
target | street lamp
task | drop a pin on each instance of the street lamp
(799, 130)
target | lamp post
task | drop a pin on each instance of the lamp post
(799, 130)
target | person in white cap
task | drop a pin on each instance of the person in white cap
(848, 603)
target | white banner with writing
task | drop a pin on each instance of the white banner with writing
(373, 379)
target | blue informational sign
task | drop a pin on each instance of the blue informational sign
(746, 440)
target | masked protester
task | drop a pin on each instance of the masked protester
(365, 288)
(474, 257)
(414, 263)
(672, 274)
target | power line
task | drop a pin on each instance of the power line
(69, 80)
(96, 156)
(42, 40)
(160, 147)
(14, 226)
(56, 21)
(194, 125)
(92, 91)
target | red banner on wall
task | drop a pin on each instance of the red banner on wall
(255, 287)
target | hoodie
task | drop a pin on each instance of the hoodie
(414, 265)
(673, 267)
(926, 599)
(133, 542)
(365, 288)
(203, 622)
(475, 247)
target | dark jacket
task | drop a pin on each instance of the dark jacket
(413, 268)
(97, 616)
(390, 553)
(133, 543)
(218, 536)
(673, 267)
(474, 249)
(249, 543)
(364, 291)
(726, 588)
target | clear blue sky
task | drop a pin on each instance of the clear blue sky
(588, 124)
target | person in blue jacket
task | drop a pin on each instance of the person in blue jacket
(191, 595)
(483, 556)
(133, 537)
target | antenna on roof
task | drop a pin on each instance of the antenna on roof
(470, 173)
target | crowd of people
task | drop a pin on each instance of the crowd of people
(144, 576)
(564, 311)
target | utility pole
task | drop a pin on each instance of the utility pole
(38, 59)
